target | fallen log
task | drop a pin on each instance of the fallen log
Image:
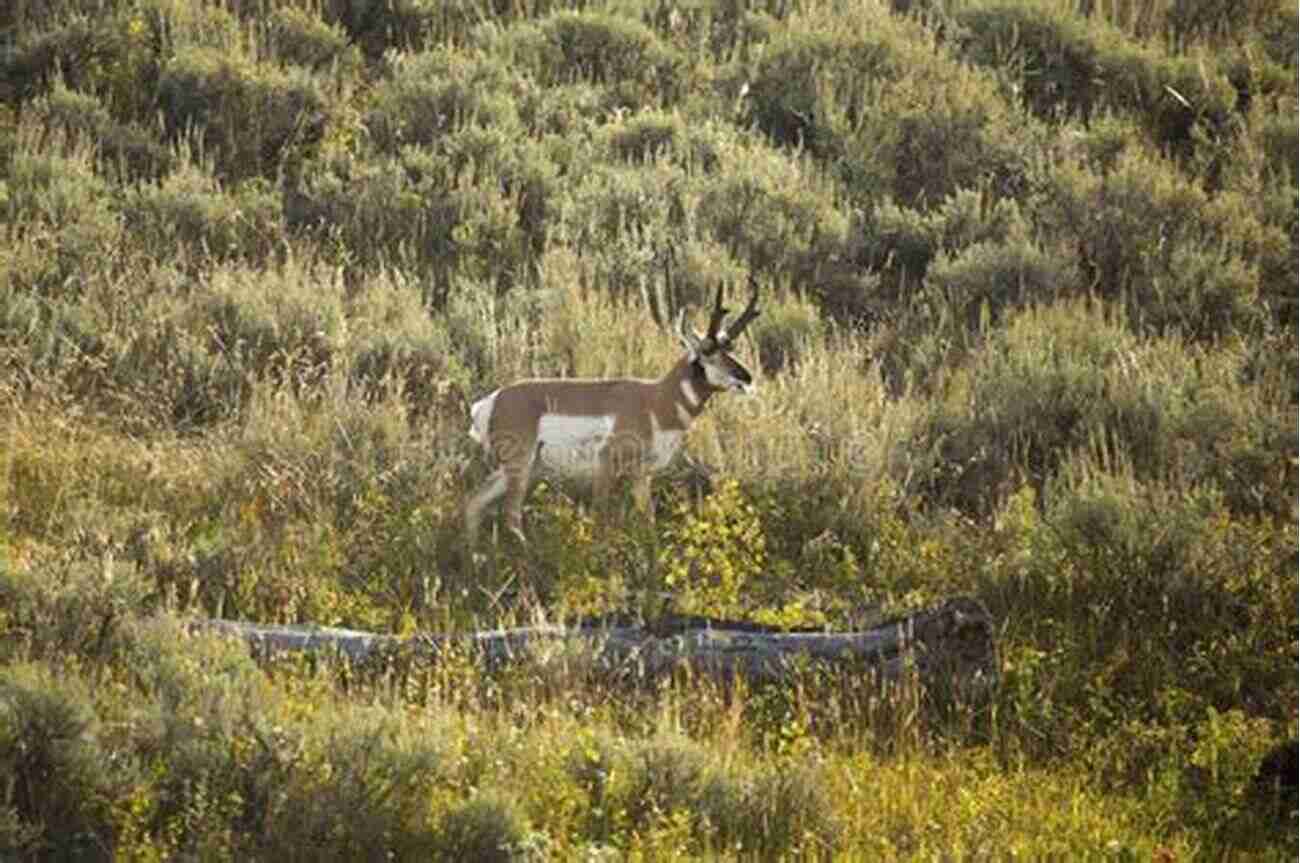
(950, 643)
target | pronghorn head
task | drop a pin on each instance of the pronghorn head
(711, 354)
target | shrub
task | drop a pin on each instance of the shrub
(713, 552)
(293, 36)
(645, 135)
(377, 212)
(777, 213)
(899, 243)
(615, 52)
(64, 231)
(125, 147)
(402, 26)
(985, 281)
(395, 341)
(664, 777)
(1138, 557)
(432, 94)
(287, 325)
(189, 216)
(1059, 380)
(477, 208)
(788, 328)
(1149, 238)
(77, 608)
(811, 84)
(1077, 66)
(50, 750)
(254, 119)
(73, 50)
(781, 813)
(362, 791)
(488, 826)
(941, 128)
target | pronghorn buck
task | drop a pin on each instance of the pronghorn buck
(600, 429)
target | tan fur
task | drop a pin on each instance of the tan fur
(602, 428)
(639, 408)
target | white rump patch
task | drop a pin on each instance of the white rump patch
(480, 417)
(573, 444)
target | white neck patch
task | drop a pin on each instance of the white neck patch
(689, 393)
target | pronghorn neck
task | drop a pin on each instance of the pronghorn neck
(687, 390)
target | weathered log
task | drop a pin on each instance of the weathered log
(951, 643)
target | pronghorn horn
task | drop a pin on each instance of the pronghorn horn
(715, 321)
(750, 312)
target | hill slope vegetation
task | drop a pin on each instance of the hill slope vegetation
(1029, 273)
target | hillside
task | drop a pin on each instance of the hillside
(1028, 274)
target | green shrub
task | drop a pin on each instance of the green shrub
(294, 36)
(811, 84)
(395, 341)
(1218, 21)
(190, 216)
(777, 213)
(52, 756)
(1149, 238)
(488, 827)
(985, 281)
(1137, 558)
(361, 790)
(286, 325)
(432, 94)
(377, 212)
(74, 50)
(54, 186)
(713, 553)
(786, 812)
(615, 52)
(979, 240)
(789, 327)
(645, 135)
(942, 128)
(253, 119)
(1075, 66)
(79, 607)
(126, 147)
(478, 207)
(1058, 380)
(664, 777)
(401, 26)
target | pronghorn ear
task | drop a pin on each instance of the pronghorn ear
(689, 340)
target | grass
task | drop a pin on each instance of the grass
(1028, 334)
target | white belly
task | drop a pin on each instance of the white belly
(572, 445)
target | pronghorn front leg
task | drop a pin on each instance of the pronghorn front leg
(489, 493)
(641, 494)
(602, 483)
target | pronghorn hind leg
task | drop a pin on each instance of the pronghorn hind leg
(517, 477)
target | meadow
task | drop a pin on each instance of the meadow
(1029, 334)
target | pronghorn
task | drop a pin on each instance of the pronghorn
(600, 429)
